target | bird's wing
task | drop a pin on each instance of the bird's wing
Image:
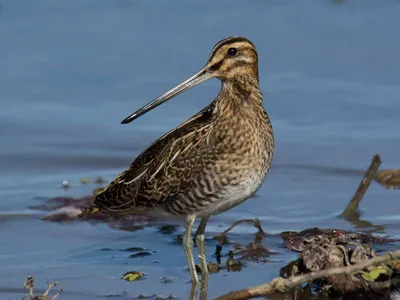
(161, 171)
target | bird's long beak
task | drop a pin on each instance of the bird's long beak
(196, 79)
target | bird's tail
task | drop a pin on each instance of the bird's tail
(89, 211)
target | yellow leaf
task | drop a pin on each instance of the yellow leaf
(374, 273)
(132, 276)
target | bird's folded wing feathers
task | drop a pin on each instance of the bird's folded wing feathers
(152, 178)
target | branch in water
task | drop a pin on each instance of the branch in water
(363, 186)
(280, 284)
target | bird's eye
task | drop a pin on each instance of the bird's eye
(232, 51)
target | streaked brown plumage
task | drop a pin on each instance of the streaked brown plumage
(210, 163)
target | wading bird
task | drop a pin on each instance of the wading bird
(210, 163)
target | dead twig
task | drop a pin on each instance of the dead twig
(363, 186)
(221, 237)
(29, 284)
(280, 284)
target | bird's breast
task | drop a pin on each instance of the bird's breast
(234, 192)
(244, 143)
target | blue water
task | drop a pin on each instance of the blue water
(72, 70)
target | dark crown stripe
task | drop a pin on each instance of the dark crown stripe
(228, 41)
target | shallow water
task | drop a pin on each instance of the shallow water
(72, 70)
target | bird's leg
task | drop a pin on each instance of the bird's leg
(204, 288)
(188, 247)
(193, 291)
(201, 249)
